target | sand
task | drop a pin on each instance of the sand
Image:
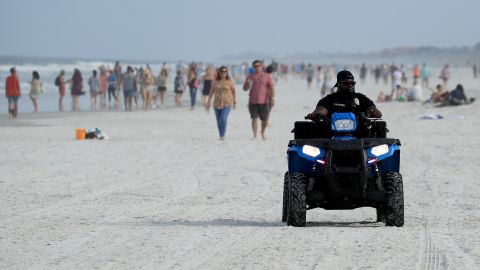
(164, 193)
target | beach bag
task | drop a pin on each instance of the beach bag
(57, 81)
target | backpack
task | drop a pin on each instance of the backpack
(57, 81)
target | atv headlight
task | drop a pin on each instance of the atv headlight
(311, 150)
(380, 150)
(344, 125)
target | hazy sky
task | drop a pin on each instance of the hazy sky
(208, 29)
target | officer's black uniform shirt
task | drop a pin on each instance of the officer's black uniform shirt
(346, 102)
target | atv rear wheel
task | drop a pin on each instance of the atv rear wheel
(297, 203)
(393, 185)
(286, 182)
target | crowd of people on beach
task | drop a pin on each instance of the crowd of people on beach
(141, 89)
(395, 76)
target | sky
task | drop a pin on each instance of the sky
(204, 30)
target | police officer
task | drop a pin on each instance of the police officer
(344, 100)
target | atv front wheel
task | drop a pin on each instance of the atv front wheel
(286, 182)
(393, 185)
(297, 203)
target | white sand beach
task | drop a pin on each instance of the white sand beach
(164, 193)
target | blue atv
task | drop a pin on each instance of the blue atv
(345, 162)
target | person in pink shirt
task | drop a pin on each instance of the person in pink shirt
(261, 97)
(103, 87)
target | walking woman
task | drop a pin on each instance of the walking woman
(60, 82)
(179, 87)
(94, 84)
(148, 82)
(223, 91)
(103, 88)
(112, 90)
(76, 88)
(161, 86)
(36, 88)
(207, 84)
(193, 86)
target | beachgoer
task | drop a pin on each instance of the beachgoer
(475, 71)
(103, 88)
(377, 73)
(207, 84)
(162, 86)
(118, 70)
(138, 91)
(179, 84)
(320, 78)
(425, 74)
(363, 73)
(148, 82)
(329, 81)
(12, 92)
(36, 88)
(112, 92)
(416, 72)
(60, 82)
(193, 86)
(223, 91)
(396, 84)
(129, 84)
(415, 92)
(261, 97)
(309, 72)
(344, 100)
(94, 84)
(437, 96)
(76, 89)
(445, 75)
(457, 97)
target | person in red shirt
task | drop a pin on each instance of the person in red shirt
(261, 97)
(12, 92)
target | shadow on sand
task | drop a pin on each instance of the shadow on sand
(197, 223)
(237, 223)
(356, 224)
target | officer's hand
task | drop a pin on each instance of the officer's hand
(374, 113)
(315, 117)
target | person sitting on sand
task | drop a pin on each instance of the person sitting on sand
(415, 92)
(457, 97)
(438, 95)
